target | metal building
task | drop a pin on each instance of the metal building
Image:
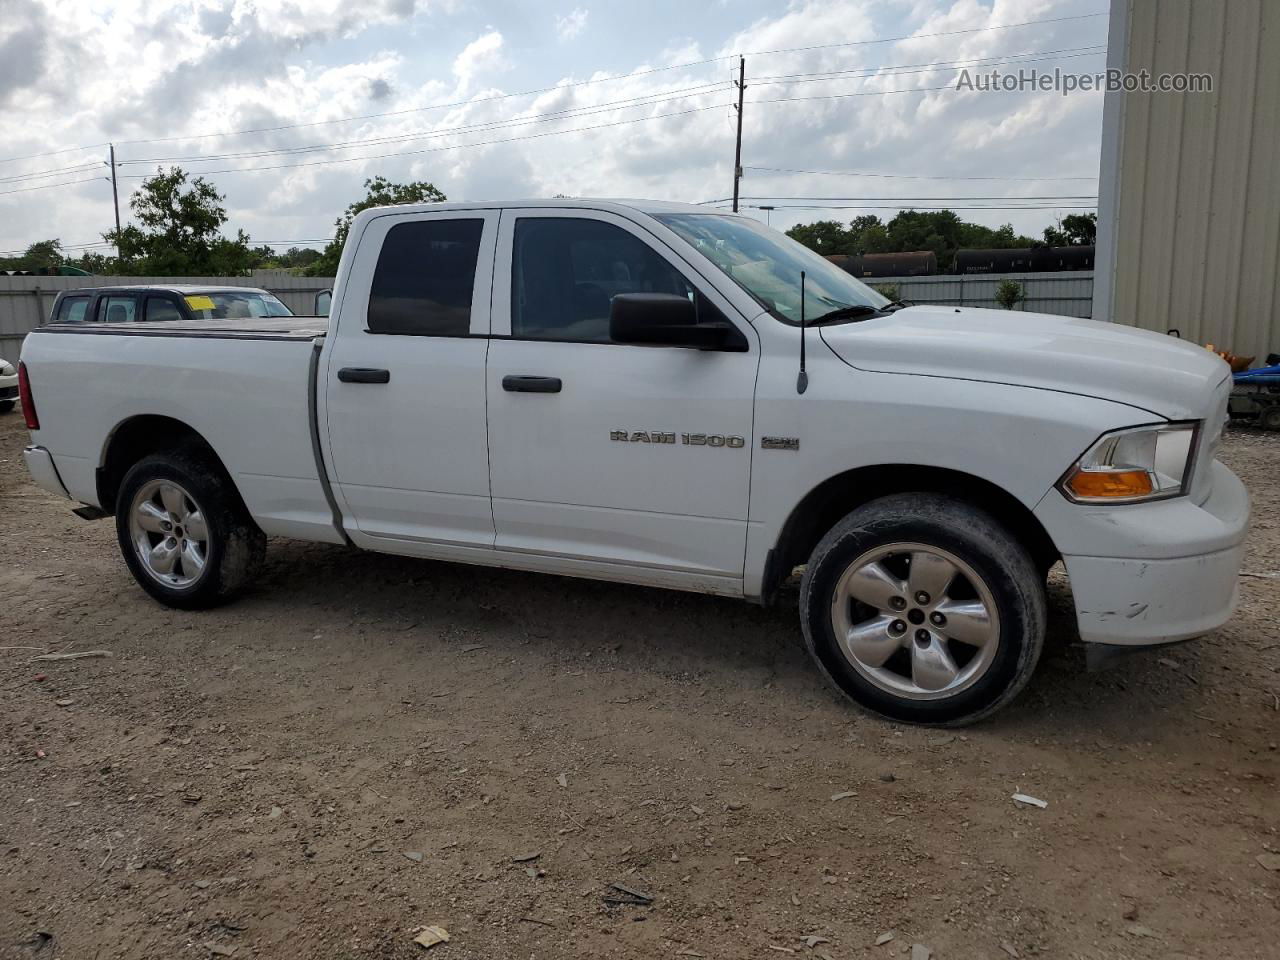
(1189, 196)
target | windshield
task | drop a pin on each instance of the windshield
(235, 305)
(767, 265)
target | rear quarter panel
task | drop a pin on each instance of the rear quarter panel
(247, 397)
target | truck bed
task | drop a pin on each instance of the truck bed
(252, 328)
(245, 386)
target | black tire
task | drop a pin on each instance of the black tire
(968, 533)
(235, 546)
(6, 406)
(1269, 419)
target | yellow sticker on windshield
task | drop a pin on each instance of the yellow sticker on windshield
(198, 302)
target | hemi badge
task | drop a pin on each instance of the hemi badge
(779, 443)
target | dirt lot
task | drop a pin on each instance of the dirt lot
(366, 745)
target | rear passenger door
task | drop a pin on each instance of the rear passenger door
(404, 385)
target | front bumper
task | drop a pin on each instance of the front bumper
(1168, 570)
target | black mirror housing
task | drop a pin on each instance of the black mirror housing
(666, 319)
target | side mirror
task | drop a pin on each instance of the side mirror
(668, 320)
(324, 300)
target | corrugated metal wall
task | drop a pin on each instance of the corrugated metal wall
(1189, 221)
(1069, 294)
(25, 301)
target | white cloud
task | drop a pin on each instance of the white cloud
(162, 69)
(482, 53)
(569, 26)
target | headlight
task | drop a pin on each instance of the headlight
(1128, 466)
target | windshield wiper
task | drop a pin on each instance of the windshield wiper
(893, 305)
(852, 312)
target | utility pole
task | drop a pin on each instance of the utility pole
(737, 147)
(115, 196)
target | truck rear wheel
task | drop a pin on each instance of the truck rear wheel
(923, 608)
(186, 537)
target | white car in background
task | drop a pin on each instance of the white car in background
(8, 386)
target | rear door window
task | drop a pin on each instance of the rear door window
(118, 309)
(71, 310)
(161, 308)
(424, 278)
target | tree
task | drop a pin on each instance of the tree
(180, 232)
(1009, 294)
(941, 231)
(1075, 229)
(379, 192)
(41, 254)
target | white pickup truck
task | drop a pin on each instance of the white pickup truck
(651, 393)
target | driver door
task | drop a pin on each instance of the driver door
(605, 452)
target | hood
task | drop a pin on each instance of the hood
(1154, 372)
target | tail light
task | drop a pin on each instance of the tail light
(24, 394)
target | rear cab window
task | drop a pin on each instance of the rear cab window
(117, 309)
(161, 309)
(72, 309)
(424, 278)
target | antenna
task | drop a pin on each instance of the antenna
(802, 381)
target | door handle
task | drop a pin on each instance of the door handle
(364, 375)
(530, 384)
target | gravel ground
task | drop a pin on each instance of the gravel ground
(365, 745)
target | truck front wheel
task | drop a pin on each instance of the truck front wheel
(184, 533)
(923, 608)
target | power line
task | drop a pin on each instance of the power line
(61, 246)
(926, 36)
(894, 70)
(566, 113)
(434, 106)
(564, 86)
(47, 186)
(54, 153)
(457, 146)
(904, 176)
(18, 177)
(1087, 196)
(103, 243)
(923, 206)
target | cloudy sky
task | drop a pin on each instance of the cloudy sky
(288, 105)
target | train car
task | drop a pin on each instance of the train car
(1025, 259)
(1051, 259)
(849, 263)
(912, 263)
(1012, 260)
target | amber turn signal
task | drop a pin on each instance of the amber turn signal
(1110, 484)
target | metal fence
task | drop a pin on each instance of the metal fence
(1069, 294)
(25, 301)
